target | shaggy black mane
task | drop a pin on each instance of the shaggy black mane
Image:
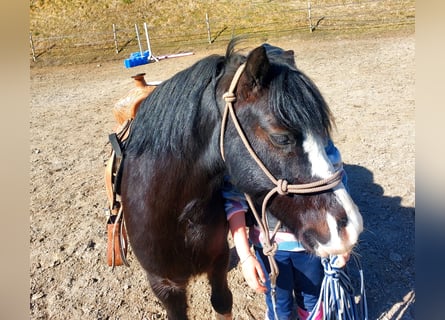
(171, 116)
(179, 115)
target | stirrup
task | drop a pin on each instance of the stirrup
(117, 240)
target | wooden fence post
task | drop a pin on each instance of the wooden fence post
(32, 47)
(311, 28)
(208, 28)
(115, 39)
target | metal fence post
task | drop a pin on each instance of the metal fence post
(139, 39)
(151, 56)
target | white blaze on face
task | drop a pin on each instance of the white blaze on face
(322, 168)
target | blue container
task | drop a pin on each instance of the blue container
(136, 59)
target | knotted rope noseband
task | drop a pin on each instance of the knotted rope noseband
(282, 187)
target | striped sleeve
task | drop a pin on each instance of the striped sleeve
(335, 157)
(234, 201)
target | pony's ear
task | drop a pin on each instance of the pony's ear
(289, 57)
(257, 67)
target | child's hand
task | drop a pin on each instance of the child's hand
(253, 274)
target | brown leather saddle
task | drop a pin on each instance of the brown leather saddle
(124, 112)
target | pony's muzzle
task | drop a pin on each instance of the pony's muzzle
(343, 238)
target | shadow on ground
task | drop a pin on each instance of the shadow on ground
(387, 247)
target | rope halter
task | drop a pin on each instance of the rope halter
(282, 187)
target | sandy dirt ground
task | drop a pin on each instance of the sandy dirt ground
(369, 85)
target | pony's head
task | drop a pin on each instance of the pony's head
(287, 124)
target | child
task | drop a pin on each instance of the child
(300, 273)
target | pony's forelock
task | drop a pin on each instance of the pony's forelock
(298, 104)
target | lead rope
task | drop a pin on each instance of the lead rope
(269, 249)
(337, 297)
(281, 186)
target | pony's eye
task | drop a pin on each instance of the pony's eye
(281, 139)
(343, 222)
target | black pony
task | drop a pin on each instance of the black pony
(173, 169)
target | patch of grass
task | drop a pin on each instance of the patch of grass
(80, 31)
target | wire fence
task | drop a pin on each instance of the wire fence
(295, 17)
